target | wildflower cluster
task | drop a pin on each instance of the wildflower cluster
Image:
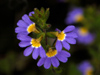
(33, 34)
(76, 15)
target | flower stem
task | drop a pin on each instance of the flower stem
(45, 36)
(53, 70)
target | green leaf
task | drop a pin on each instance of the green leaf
(50, 35)
(33, 19)
(41, 34)
(36, 11)
(47, 14)
(42, 11)
(40, 17)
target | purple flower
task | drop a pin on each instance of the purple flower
(26, 26)
(65, 37)
(33, 46)
(53, 57)
(85, 68)
(76, 15)
(84, 36)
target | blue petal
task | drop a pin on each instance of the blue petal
(28, 51)
(71, 15)
(69, 28)
(58, 45)
(23, 33)
(41, 62)
(47, 63)
(27, 19)
(35, 53)
(71, 40)
(61, 58)
(70, 20)
(57, 30)
(54, 61)
(30, 14)
(20, 29)
(66, 45)
(24, 44)
(42, 52)
(21, 23)
(71, 34)
(65, 53)
(23, 37)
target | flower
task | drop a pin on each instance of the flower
(84, 36)
(76, 15)
(53, 57)
(64, 37)
(34, 46)
(26, 26)
(85, 68)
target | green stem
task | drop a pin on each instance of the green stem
(45, 37)
(53, 70)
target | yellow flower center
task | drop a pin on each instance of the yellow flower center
(51, 53)
(89, 72)
(83, 31)
(61, 36)
(32, 28)
(35, 43)
(79, 18)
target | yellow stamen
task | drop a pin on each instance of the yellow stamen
(61, 36)
(89, 71)
(32, 28)
(79, 18)
(51, 53)
(36, 42)
(83, 31)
